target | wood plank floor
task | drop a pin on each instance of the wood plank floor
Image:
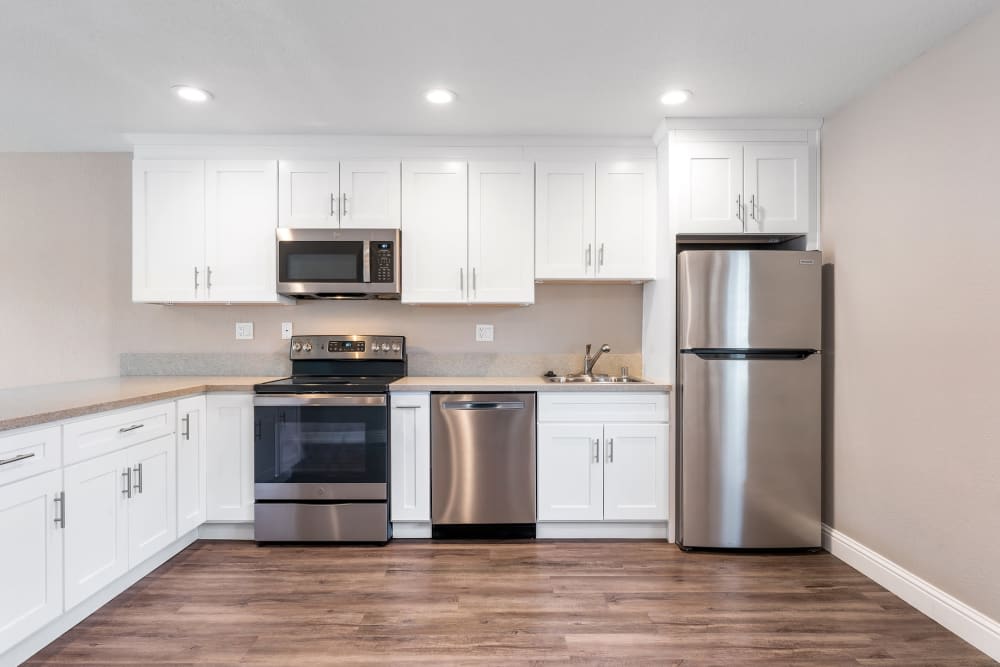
(228, 603)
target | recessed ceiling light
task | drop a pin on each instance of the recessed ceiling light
(192, 94)
(672, 97)
(439, 96)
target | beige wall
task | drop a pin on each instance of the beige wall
(911, 226)
(74, 311)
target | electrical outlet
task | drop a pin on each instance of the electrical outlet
(286, 330)
(244, 331)
(484, 333)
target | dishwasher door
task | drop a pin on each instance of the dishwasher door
(483, 459)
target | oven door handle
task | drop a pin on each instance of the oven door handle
(319, 400)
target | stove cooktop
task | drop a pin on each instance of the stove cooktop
(326, 384)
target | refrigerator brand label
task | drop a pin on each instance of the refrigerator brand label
(807, 261)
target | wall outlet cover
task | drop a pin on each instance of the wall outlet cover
(244, 331)
(286, 330)
(484, 333)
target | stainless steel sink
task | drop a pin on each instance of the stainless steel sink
(599, 379)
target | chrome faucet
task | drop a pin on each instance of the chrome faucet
(589, 361)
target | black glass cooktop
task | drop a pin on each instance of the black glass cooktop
(326, 384)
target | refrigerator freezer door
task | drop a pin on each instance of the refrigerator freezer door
(749, 452)
(748, 299)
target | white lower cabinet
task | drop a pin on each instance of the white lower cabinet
(152, 510)
(410, 456)
(192, 462)
(635, 472)
(570, 472)
(31, 562)
(229, 465)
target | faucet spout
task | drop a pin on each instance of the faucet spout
(589, 361)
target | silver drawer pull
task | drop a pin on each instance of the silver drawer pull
(60, 500)
(484, 405)
(15, 459)
(126, 429)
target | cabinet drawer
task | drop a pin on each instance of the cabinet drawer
(29, 452)
(602, 407)
(109, 432)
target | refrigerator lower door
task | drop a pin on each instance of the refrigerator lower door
(749, 451)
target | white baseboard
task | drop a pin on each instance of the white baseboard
(583, 530)
(45, 636)
(226, 531)
(404, 530)
(971, 625)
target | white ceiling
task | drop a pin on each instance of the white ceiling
(77, 74)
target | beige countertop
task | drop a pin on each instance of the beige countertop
(39, 404)
(530, 383)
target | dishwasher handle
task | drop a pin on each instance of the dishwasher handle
(483, 405)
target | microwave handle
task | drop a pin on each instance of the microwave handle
(367, 263)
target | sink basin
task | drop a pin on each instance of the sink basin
(597, 379)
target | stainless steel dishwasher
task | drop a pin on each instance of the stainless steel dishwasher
(483, 465)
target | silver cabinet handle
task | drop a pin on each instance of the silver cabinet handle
(587, 254)
(753, 207)
(474, 288)
(187, 426)
(126, 429)
(600, 256)
(196, 278)
(739, 207)
(461, 280)
(611, 450)
(597, 450)
(15, 459)
(333, 204)
(343, 208)
(138, 477)
(208, 277)
(60, 501)
(406, 407)
(127, 478)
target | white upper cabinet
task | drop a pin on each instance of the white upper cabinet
(241, 203)
(501, 232)
(435, 232)
(776, 187)
(168, 230)
(369, 194)
(626, 220)
(308, 194)
(740, 187)
(564, 220)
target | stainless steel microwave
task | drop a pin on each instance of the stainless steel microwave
(338, 263)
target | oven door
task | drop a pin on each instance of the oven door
(321, 447)
(336, 263)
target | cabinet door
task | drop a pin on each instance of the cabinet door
(308, 194)
(626, 220)
(635, 472)
(435, 232)
(241, 204)
(776, 187)
(369, 194)
(501, 232)
(192, 460)
(31, 562)
(564, 220)
(152, 511)
(230, 457)
(96, 534)
(706, 188)
(410, 456)
(570, 472)
(168, 230)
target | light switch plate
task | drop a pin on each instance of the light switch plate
(484, 333)
(244, 331)
(286, 330)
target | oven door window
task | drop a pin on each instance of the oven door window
(325, 445)
(320, 261)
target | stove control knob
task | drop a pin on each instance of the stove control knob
(396, 347)
(296, 347)
(307, 347)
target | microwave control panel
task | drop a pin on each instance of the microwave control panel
(382, 262)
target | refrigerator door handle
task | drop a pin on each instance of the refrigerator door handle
(750, 355)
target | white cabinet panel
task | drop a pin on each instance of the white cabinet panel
(706, 187)
(626, 220)
(241, 204)
(370, 194)
(602, 407)
(776, 187)
(501, 232)
(31, 560)
(564, 220)
(230, 457)
(410, 456)
(635, 472)
(435, 232)
(96, 534)
(570, 472)
(308, 193)
(168, 230)
(28, 452)
(152, 511)
(114, 431)
(192, 461)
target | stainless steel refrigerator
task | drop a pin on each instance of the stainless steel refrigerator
(749, 374)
